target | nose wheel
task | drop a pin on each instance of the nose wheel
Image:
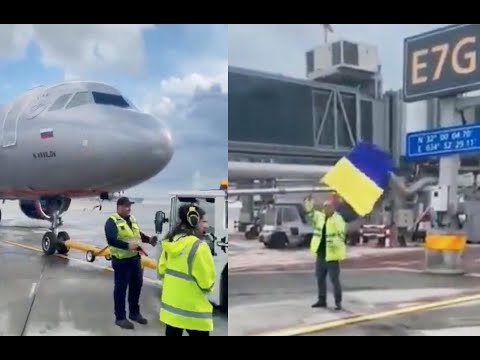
(49, 243)
(62, 237)
(53, 242)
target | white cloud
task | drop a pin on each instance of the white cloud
(199, 73)
(14, 39)
(158, 105)
(176, 98)
(95, 47)
(79, 49)
(195, 108)
(173, 98)
(187, 85)
(281, 48)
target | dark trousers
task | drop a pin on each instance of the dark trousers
(332, 268)
(128, 273)
(173, 331)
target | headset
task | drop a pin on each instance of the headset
(193, 216)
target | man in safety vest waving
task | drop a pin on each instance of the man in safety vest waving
(328, 245)
(123, 237)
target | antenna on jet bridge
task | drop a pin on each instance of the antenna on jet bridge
(326, 29)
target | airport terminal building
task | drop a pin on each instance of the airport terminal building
(279, 119)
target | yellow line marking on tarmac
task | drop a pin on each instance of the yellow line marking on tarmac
(329, 325)
(105, 268)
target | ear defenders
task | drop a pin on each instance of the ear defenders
(193, 217)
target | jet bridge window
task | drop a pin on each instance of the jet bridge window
(109, 99)
(80, 98)
(60, 102)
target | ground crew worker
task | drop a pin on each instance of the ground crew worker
(188, 275)
(328, 245)
(123, 237)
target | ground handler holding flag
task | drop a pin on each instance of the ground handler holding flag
(328, 245)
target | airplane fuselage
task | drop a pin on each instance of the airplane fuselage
(77, 139)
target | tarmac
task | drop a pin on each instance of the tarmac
(376, 303)
(249, 255)
(57, 295)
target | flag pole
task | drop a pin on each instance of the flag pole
(326, 29)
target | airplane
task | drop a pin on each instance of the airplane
(75, 139)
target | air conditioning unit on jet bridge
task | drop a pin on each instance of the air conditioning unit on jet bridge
(342, 62)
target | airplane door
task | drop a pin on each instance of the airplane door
(9, 136)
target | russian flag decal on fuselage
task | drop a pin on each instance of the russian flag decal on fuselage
(46, 133)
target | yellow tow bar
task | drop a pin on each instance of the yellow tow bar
(91, 253)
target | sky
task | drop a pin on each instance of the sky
(178, 73)
(281, 48)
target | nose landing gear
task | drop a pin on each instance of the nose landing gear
(53, 242)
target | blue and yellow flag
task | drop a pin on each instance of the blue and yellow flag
(361, 177)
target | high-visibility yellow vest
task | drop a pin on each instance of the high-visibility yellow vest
(336, 249)
(125, 233)
(187, 271)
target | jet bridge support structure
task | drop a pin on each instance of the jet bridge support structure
(445, 244)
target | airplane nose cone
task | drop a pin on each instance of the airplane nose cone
(161, 148)
(157, 147)
(138, 147)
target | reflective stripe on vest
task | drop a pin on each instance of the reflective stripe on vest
(126, 234)
(192, 314)
(329, 235)
(189, 276)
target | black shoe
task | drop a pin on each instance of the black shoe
(319, 304)
(139, 319)
(125, 324)
(338, 307)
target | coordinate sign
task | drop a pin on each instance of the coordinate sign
(447, 141)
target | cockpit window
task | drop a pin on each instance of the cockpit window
(60, 102)
(80, 98)
(109, 99)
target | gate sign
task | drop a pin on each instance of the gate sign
(443, 142)
(442, 62)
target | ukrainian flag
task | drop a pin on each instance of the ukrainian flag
(361, 177)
